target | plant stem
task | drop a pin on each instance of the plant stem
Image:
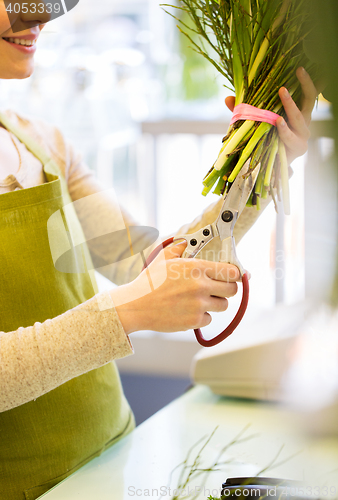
(220, 186)
(271, 161)
(284, 174)
(225, 143)
(210, 180)
(233, 143)
(259, 58)
(259, 182)
(207, 189)
(261, 130)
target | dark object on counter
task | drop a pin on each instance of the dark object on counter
(267, 488)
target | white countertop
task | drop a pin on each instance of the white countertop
(141, 463)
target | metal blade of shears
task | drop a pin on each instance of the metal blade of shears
(241, 188)
(232, 207)
(235, 202)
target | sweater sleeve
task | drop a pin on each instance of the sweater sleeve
(244, 223)
(114, 260)
(37, 359)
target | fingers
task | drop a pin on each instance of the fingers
(176, 250)
(296, 133)
(206, 320)
(309, 93)
(220, 289)
(217, 304)
(222, 272)
(219, 279)
(296, 119)
(216, 271)
(230, 102)
(292, 141)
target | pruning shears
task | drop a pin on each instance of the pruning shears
(222, 228)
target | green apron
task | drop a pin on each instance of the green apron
(46, 440)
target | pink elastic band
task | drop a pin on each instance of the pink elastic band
(248, 112)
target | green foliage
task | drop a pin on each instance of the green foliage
(257, 46)
(198, 77)
(229, 34)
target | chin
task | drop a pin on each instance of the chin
(18, 74)
(27, 74)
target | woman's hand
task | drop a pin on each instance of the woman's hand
(191, 288)
(295, 133)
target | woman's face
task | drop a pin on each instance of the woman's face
(18, 36)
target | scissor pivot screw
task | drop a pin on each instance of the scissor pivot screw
(227, 216)
(206, 232)
(193, 242)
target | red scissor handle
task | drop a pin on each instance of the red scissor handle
(156, 251)
(234, 323)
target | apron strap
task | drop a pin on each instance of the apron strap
(49, 165)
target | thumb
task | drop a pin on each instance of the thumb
(176, 250)
(230, 102)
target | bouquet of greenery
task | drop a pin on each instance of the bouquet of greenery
(256, 45)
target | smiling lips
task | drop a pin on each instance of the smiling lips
(20, 41)
(25, 43)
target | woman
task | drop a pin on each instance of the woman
(61, 401)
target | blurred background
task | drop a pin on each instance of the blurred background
(148, 115)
